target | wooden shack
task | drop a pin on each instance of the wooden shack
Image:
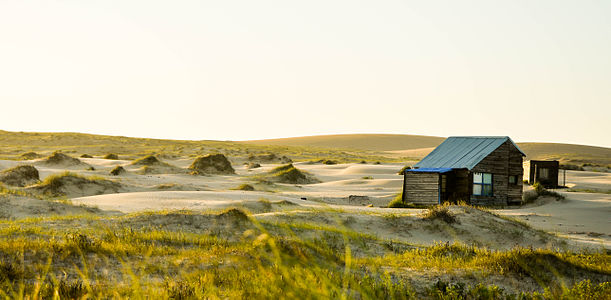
(544, 172)
(476, 170)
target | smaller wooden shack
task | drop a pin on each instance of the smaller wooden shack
(544, 172)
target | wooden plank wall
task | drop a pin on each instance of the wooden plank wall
(552, 166)
(516, 167)
(506, 160)
(421, 188)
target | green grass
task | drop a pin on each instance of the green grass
(6, 191)
(233, 255)
(440, 212)
(289, 174)
(55, 179)
(397, 202)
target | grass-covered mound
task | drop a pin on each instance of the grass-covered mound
(149, 160)
(212, 164)
(150, 164)
(244, 187)
(111, 156)
(58, 159)
(269, 158)
(290, 174)
(440, 212)
(86, 156)
(253, 165)
(118, 170)
(29, 156)
(75, 185)
(20, 176)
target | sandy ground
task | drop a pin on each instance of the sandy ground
(582, 217)
(585, 217)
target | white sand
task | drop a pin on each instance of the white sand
(583, 217)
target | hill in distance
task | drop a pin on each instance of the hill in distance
(418, 146)
(370, 142)
(395, 147)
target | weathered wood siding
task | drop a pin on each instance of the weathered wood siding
(503, 162)
(552, 166)
(421, 188)
(516, 168)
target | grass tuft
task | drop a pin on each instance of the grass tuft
(289, 174)
(244, 187)
(111, 156)
(440, 212)
(397, 202)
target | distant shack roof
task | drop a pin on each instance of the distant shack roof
(459, 152)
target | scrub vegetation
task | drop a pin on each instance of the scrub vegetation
(15, 144)
(262, 248)
(232, 254)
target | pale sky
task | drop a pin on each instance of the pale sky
(235, 70)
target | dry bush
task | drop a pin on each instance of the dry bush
(440, 212)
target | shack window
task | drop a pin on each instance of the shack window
(482, 184)
(513, 179)
(543, 173)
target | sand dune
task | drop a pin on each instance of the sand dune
(172, 200)
(582, 218)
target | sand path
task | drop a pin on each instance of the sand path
(582, 216)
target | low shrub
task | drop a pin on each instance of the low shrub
(289, 174)
(118, 170)
(111, 156)
(441, 212)
(20, 175)
(538, 191)
(542, 191)
(398, 202)
(403, 170)
(245, 187)
(29, 155)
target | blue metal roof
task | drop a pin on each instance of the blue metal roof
(429, 170)
(459, 152)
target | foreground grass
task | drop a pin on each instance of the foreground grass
(184, 255)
